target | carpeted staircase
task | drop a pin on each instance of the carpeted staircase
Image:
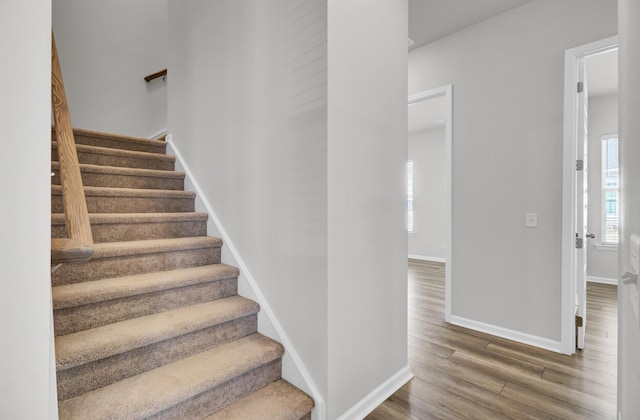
(152, 326)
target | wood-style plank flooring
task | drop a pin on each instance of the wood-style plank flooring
(460, 373)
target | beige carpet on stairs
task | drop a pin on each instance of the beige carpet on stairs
(152, 326)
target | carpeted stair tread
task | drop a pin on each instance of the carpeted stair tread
(129, 200)
(154, 391)
(116, 218)
(152, 246)
(112, 140)
(97, 155)
(278, 400)
(98, 343)
(115, 227)
(118, 170)
(67, 296)
(117, 259)
(120, 177)
(128, 192)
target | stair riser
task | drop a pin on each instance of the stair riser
(69, 320)
(94, 375)
(91, 179)
(97, 204)
(116, 143)
(219, 397)
(99, 268)
(119, 161)
(115, 232)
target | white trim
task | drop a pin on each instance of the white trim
(410, 197)
(159, 134)
(378, 395)
(425, 258)
(532, 340)
(447, 92)
(569, 151)
(291, 356)
(53, 381)
(602, 280)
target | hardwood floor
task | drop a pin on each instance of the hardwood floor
(460, 373)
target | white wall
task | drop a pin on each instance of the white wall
(310, 193)
(106, 48)
(603, 120)
(629, 107)
(507, 74)
(427, 151)
(247, 110)
(26, 390)
(367, 236)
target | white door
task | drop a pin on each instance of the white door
(581, 206)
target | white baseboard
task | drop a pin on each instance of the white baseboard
(603, 280)
(425, 258)
(378, 395)
(532, 340)
(294, 369)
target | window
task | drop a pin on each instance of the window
(410, 196)
(610, 198)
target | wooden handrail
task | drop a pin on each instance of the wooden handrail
(155, 75)
(73, 199)
(65, 250)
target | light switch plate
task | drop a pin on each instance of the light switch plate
(531, 220)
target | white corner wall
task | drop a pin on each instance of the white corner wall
(507, 74)
(629, 108)
(603, 120)
(266, 108)
(367, 236)
(106, 49)
(427, 151)
(26, 389)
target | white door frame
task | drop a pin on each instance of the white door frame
(572, 58)
(447, 92)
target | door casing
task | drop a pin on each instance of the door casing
(573, 58)
(447, 92)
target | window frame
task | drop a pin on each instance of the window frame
(604, 170)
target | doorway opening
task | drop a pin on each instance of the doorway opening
(429, 180)
(590, 186)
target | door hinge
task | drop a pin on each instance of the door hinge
(579, 321)
(580, 87)
(579, 243)
(579, 165)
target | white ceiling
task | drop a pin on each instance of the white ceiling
(433, 19)
(602, 74)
